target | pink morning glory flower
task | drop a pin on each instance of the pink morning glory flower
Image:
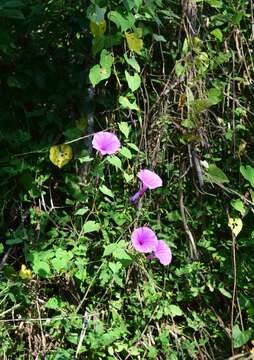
(163, 253)
(144, 239)
(150, 180)
(106, 143)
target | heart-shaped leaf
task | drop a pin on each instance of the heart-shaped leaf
(235, 225)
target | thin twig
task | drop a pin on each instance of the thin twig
(193, 249)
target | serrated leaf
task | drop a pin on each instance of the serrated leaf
(134, 43)
(109, 249)
(133, 81)
(60, 155)
(90, 226)
(54, 303)
(132, 62)
(106, 191)
(114, 160)
(235, 225)
(126, 104)
(215, 174)
(125, 152)
(248, 173)
(62, 258)
(125, 128)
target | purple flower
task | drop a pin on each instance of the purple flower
(144, 239)
(149, 180)
(161, 252)
(106, 143)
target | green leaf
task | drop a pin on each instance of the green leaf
(133, 146)
(175, 310)
(106, 191)
(132, 62)
(215, 174)
(12, 14)
(54, 303)
(109, 249)
(62, 258)
(159, 38)
(240, 337)
(125, 128)
(128, 177)
(95, 75)
(125, 23)
(41, 268)
(114, 160)
(106, 59)
(125, 152)
(215, 95)
(248, 173)
(103, 71)
(217, 33)
(115, 267)
(82, 211)
(126, 104)
(238, 205)
(133, 81)
(90, 226)
(225, 292)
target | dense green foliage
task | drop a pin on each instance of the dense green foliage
(175, 83)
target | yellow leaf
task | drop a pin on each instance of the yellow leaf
(60, 155)
(98, 29)
(135, 44)
(24, 273)
(251, 195)
(235, 225)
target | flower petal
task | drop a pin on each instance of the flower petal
(144, 239)
(106, 143)
(150, 179)
(163, 253)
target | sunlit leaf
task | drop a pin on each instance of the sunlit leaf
(126, 104)
(106, 191)
(60, 155)
(235, 225)
(24, 273)
(248, 173)
(134, 43)
(124, 128)
(133, 81)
